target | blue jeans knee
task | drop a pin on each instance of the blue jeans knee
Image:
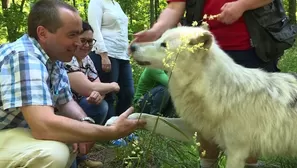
(97, 112)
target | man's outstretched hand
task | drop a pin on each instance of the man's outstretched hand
(124, 126)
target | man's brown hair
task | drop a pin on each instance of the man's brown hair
(46, 13)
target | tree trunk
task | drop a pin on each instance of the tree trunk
(157, 11)
(152, 13)
(22, 6)
(74, 3)
(86, 9)
(292, 10)
(5, 4)
(130, 14)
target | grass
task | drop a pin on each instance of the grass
(158, 151)
(155, 151)
(288, 63)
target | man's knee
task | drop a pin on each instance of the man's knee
(101, 111)
(161, 93)
(103, 106)
(162, 89)
(20, 149)
(53, 154)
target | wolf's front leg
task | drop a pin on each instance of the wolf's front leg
(236, 158)
(175, 128)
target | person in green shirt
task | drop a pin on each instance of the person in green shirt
(152, 94)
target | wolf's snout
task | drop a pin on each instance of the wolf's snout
(133, 48)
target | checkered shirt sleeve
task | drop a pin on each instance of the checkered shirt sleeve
(23, 81)
(61, 90)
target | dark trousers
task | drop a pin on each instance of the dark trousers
(121, 72)
(157, 101)
(249, 59)
(96, 111)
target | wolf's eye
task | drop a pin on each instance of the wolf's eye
(163, 44)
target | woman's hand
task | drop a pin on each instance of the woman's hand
(94, 98)
(105, 61)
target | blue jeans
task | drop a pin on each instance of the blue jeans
(157, 101)
(98, 113)
(121, 72)
(249, 59)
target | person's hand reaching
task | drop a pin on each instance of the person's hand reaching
(94, 98)
(106, 64)
(124, 126)
(231, 12)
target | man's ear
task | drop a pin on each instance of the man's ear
(42, 33)
(205, 39)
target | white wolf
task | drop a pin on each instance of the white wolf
(247, 112)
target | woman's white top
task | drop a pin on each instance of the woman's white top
(110, 25)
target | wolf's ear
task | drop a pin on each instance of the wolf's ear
(205, 39)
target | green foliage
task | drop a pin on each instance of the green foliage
(157, 151)
(136, 70)
(13, 20)
(138, 14)
(288, 63)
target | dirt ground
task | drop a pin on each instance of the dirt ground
(104, 154)
(107, 155)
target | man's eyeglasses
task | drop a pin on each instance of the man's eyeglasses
(90, 42)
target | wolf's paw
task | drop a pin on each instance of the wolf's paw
(111, 121)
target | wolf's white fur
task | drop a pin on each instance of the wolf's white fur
(247, 112)
(174, 128)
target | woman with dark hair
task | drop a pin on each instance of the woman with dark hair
(86, 87)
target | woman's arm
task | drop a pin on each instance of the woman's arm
(80, 83)
(159, 76)
(95, 14)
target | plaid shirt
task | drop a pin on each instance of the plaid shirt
(29, 77)
(87, 68)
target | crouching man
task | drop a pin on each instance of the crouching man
(33, 82)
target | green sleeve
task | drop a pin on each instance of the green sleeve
(159, 76)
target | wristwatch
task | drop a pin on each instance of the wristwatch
(88, 119)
